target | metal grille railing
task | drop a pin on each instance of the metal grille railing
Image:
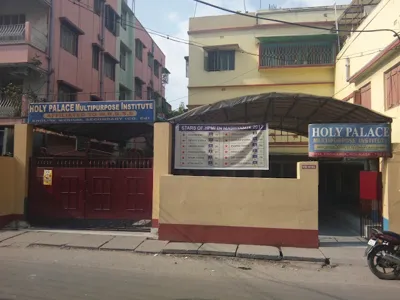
(108, 163)
(12, 33)
(10, 107)
(296, 54)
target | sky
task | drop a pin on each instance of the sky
(171, 17)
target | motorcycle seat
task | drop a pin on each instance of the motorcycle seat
(392, 234)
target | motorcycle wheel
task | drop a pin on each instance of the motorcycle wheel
(373, 266)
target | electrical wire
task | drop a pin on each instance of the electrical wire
(183, 41)
(201, 45)
(396, 34)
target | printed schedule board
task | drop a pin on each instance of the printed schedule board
(221, 147)
(349, 140)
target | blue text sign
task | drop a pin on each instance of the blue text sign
(349, 140)
(142, 111)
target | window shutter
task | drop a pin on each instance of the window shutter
(394, 88)
(366, 96)
(206, 61)
(388, 88)
(357, 97)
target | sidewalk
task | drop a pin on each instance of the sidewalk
(146, 243)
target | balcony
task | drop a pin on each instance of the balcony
(23, 45)
(314, 51)
(13, 106)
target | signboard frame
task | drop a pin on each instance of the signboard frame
(264, 131)
(127, 111)
(361, 140)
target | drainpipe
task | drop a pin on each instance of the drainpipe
(50, 40)
(103, 26)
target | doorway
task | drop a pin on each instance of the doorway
(340, 206)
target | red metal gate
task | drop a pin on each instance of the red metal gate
(107, 189)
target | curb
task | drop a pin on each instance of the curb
(280, 258)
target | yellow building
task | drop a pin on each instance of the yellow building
(367, 73)
(232, 56)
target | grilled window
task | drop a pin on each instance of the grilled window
(296, 54)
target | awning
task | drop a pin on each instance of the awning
(282, 111)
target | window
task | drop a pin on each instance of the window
(124, 18)
(66, 93)
(95, 57)
(165, 75)
(139, 49)
(187, 66)
(111, 20)
(219, 60)
(95, 98)
(109, 67)
(123, 93)
(156, 69)
(365, 93)
(150, 93)
(122, 57)
(97, 7)
(150, 59)
(69, 40)
(392, 87)
(12, 19)
(296, 54)
(138, 88)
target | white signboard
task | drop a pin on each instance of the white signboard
(220, 147)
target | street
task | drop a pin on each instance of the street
(47, 273)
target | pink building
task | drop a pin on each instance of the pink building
(79, 40)
(53, 50)
(151, 75)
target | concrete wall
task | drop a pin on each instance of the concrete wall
(391, 190)
(14, 175)
(261, 211)
(7, 189)
(161, 163)
(232, 210)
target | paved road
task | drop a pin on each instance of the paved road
(43, 273)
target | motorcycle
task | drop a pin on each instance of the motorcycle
(383, 251)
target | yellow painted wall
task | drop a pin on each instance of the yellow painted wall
(8, 185)
(23, 138)
(361, 48)
(209, 87)
(391, 189)
(201, 95)
(161, 161)
(244, 202)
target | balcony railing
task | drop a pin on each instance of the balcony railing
(14, 107)
(10, 34)
(296, 54)
(23, 33)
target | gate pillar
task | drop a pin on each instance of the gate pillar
(23, 138)
(391, 190)
(162, 162)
